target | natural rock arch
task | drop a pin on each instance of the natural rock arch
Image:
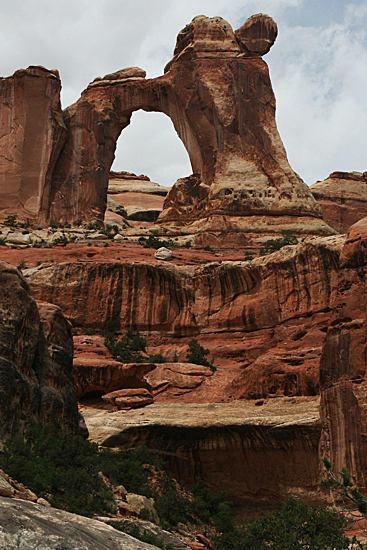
(95, 123)
(218, 94)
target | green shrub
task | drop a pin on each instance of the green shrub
(295, 526)
(153, 242)
(93, 226)
(196, 354)
(11, 220)
(89, 331)
(272, 245)
(61, 240)
(64, 469)
(120, 210)
(158, 358)
(59, 467)
(128, 348)
(209, 506)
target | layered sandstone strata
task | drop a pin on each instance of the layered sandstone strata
(136, 197)
(36, 353)
(32, 133)
(264, 320)
(343, 198)
(256, 454)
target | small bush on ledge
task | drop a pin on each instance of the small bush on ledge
(196, 354)
(272, 245)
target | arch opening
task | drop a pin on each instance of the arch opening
(149, 145)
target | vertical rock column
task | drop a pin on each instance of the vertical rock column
(343, 365)
(32, 134)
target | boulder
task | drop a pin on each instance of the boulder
(174, 379)
(257, 35)
(17, 238)
(163, 253)
(118, 238)
(129, 398)
(6, 490)
(134, 504)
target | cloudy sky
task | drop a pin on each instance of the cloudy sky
(318, 67)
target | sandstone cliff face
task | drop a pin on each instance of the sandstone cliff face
(342, 197)
(257, 455)
(343, 364)
(35, 359)
(264, 321)
(32, 133)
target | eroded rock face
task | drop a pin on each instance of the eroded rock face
(95, 369)
(218, 94)
(228, 445)
(32, 133)
(35, 359)
(264, 321)
(343, 198)
(343, 364)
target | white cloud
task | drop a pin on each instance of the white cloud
(320, 78)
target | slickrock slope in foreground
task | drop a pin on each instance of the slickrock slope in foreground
(256, 454)
(29, 525)
(343, 198)
(36, 352)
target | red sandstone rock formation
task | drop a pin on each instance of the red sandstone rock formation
(32, 133)
(218, 94)
(264, 321)
(129, 398)
(123, 176)
(36, 353)
(343, 198)
(343, 364)
(95, 370)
